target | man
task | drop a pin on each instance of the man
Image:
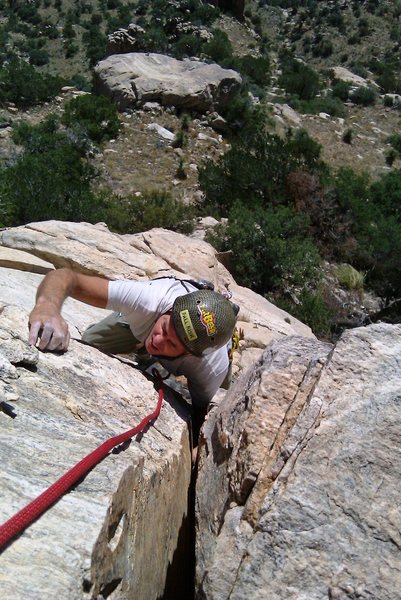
(186, 328)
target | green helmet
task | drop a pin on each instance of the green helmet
(204, 320)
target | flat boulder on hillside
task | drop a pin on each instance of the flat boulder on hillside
(135, 78)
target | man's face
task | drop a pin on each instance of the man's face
(163, 340)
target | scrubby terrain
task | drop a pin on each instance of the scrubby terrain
(304, 172)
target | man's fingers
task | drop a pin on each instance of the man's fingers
(46, 337)
(34, 329)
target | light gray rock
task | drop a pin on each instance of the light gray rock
(303, 457)
(136, 78)
(166, 134)
(118, 528)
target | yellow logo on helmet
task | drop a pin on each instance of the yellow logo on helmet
(208, 319)
(187, 325)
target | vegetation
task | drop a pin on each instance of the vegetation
(97, 116)
(285, 211)
(154, 208)
(23, 85)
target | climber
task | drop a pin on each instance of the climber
(188, 329)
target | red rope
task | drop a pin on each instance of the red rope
(22, 519)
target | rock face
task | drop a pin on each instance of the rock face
(298, 486)
(135, 78)
(116, 533)
(66, 406)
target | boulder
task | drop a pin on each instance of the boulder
(298, 486)
(124, 40)
(343, 74)
(135, 78)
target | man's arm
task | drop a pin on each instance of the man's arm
(45, 321)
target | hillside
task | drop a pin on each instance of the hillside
(285, 53)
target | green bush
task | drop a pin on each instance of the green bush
(97, 115)
(255, 169)
(349, 277)
(49, 185)
(389, 81)
(95, 43)
(219, 48)
(297, 78)
(363, 95)
(311, 310)
(186, 46)
(270, 248)
(395, 141)
(390, 156)
(23, 85)
(376, 228)
(38, 57)
(347, 136)
(341, 90)
(388, 101)
(155, 208)
(328, 104)
(255, 69)
(323, 48)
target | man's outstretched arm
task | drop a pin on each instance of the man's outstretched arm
(45, 321)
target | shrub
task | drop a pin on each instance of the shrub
(254, 69)
(23, 85)
(254, 170)
(329, 105)
(390, 157)
(155, 208)
(38, 57)
(324, 48)
(349, 277)
(97, 115)
(363, 95)
(376, 228)
(311, 309)
(95, 42)
(388, 81)
(347, 136)
(187, 45)
(54, 184)
(297, 78)
(388, 101)
(341, 90)
(270, 247)
(395, 141)
(219, 48)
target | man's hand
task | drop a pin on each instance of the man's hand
(49, 329)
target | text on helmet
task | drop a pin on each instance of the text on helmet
(208, 320)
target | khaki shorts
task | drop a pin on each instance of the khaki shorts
(112, 335)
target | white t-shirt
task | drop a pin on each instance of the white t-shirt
(142, 303)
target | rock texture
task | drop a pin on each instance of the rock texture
(116, 533)
(298, 487)
(66, 406)
(136, 78)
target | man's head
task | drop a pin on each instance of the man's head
(204, 320)
(198, 323)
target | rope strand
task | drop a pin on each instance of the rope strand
(22, 519)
